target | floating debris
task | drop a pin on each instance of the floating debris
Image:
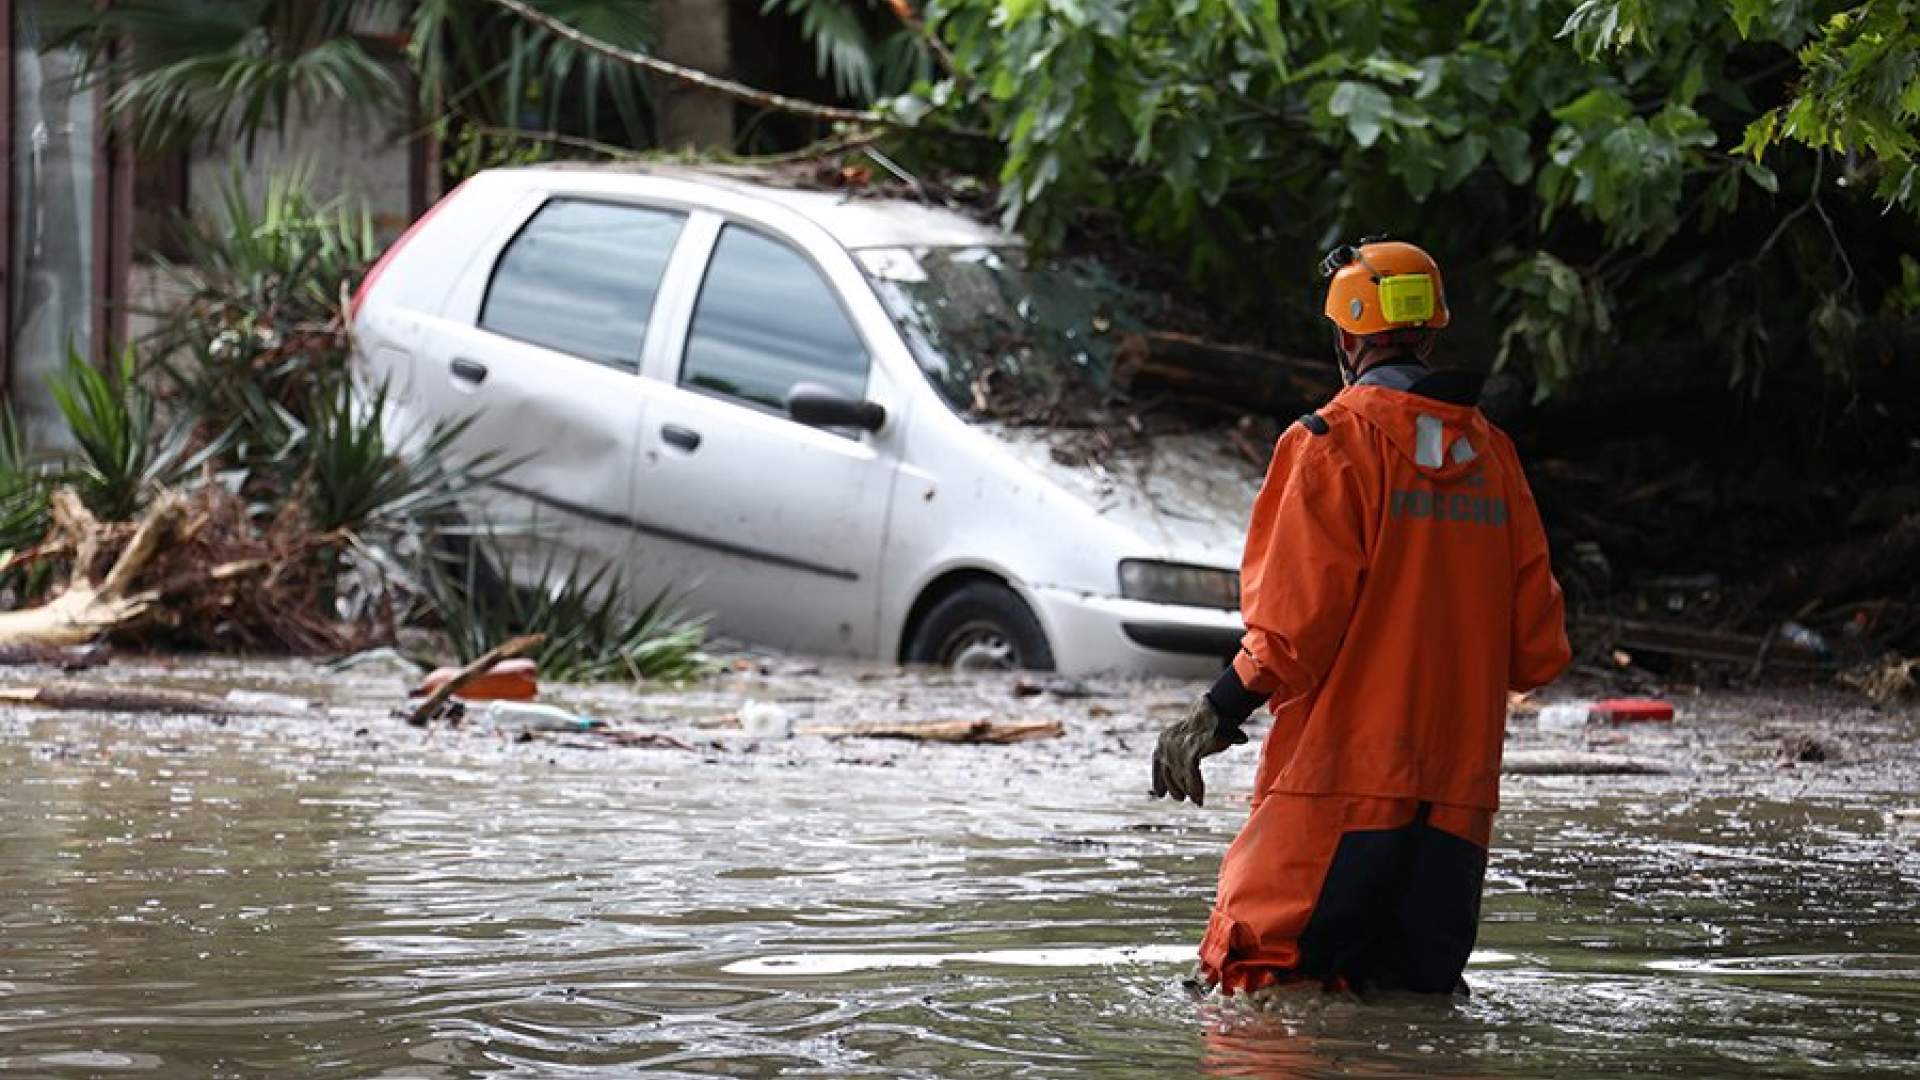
(946, 731)
(1549, 763)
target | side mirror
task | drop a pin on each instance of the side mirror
(815, 405)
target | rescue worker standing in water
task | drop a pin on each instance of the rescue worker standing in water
(1395, 587)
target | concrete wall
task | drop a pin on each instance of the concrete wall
(352, 152)
(344, 152)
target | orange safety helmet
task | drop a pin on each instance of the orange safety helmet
(1384, 285)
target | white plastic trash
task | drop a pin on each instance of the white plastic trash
(766, 720)
(528, 716)
(1566, 715)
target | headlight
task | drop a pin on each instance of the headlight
(1178, 583)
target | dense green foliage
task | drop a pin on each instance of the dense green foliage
(1610, 177)
(1602, 178)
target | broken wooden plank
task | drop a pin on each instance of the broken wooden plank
(944, 731)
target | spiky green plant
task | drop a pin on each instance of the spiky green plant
(358, 480)
(123, 452)
(24, 488)
(595, 631)
(281, 253)
(258, 336)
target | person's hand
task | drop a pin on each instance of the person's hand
(1177, 756)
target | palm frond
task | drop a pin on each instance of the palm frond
(123, 454)
(841, 45)
(360, 481)
(502, 72)
(181, 70)
(24, 488)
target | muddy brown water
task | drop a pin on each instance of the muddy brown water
(341, 895)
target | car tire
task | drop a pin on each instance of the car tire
(980, 626)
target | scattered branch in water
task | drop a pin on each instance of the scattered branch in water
(124, 699)
(945, 731)
(519, 646)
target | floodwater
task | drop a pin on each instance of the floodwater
(343, 895)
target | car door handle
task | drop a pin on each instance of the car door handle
(468, 371)
(684, 438)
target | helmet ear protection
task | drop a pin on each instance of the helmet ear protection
(1406, 298)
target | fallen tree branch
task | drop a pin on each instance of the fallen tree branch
(764, 99)
(556, 138)
(519, 646)
(64, 657)
(122, 699)
(92, 606)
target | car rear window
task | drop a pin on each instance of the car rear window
(580, 278)
(766, 320)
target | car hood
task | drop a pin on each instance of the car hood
(1186, 497)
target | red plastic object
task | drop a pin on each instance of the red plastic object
(1632, 711)
(510, 680)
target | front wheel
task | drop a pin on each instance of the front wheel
(981, 626)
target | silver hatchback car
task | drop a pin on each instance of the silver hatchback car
(752, 396)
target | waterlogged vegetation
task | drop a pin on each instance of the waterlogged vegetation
(289, 492)
(592, 631)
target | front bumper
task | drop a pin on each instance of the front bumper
(1092, 634)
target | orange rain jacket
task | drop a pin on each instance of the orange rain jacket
(1395, 586)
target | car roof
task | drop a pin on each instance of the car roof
(855, 218)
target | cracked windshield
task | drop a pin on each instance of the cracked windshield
(1003, 336)
(990, 538)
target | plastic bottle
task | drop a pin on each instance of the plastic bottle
(766, 720)
(1566, 715)
(527, 716)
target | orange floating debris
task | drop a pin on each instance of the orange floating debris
(509, 680)
(1632, 711)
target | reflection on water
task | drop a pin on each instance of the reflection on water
(261, 900)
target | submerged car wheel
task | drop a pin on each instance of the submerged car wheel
(981, 626)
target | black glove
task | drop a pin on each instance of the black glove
(1182, 746)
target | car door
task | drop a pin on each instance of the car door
(548, 371)
(772, 526)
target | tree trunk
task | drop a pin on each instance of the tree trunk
(694, 33)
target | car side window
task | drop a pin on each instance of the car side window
(581, 277)
(765, 321)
